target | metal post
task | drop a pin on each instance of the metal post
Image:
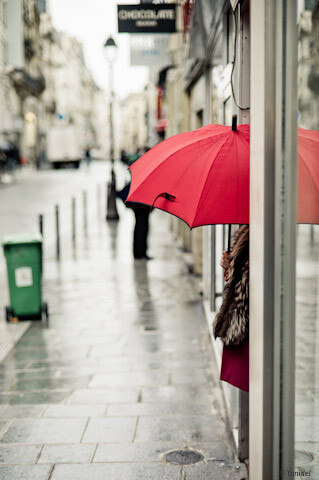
(73, 221)
(57, 228)
(98, 201)
(213, 269)
(85, 220)
(41, 224)
(111, 192)
(312, 234)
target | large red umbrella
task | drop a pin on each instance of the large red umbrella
(202, 176)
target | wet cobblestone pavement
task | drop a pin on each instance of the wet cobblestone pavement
(121, 374)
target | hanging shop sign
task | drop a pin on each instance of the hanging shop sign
(147, 18)
(150, 50)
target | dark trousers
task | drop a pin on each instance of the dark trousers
(141, 230)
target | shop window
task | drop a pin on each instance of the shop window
(228, 36)
(307, 263)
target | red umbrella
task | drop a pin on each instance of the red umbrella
(202, 176)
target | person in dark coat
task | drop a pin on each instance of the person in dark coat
(231, 323)
(141, 213)
(88, 156)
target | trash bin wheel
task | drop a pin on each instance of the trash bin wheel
(9, 314)
(45, 311)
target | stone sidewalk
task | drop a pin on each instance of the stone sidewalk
(121, 375)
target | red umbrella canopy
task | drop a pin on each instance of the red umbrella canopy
(308, 176)
(204, 174)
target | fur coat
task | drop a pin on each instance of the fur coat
(231, 322)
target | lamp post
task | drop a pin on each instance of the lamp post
(110, 48)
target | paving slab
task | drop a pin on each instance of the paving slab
(123, 471)
(189, 376)
(154, 451)
(44, 430)
(67, 454)
(104, 395)
(158, 377)
(25, 472)
(101, 430)
(29, 398)
(70, 411)
(36, 374)
(177, 393)
(5, 398)
(157, 409)
(2, 424)
(212, 451)
(51, 384)
(20, 411)
(129, 452)
(182, 428)
(15, 454)
(306, 429)
(9, 336)
(218, 470)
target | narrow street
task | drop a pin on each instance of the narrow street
(123, 373)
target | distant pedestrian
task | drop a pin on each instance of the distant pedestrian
(231, 323)
(141, 228)
(141, 213)
(87, 156)
(124, 157)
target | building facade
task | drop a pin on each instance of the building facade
(71, 97)
(43, 75)
(133, 122)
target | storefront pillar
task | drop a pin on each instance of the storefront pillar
(272, 239)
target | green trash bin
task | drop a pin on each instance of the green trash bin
(23, 254)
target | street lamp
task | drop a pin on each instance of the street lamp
(110, 48)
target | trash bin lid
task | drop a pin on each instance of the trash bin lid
(22, 239)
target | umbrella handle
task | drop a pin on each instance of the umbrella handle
(165, 195)
(229, 238)
(234, 123)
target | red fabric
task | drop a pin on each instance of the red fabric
(207, 170)
(308, 176)
(235, 365)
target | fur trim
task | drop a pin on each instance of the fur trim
(232, 321)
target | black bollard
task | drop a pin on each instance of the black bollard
(41, 224)
(98, 201)
(85, 219)
(73, 221)
(57, 228)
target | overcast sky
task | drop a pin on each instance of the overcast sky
(91, 22)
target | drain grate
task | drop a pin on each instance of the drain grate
(183, 457)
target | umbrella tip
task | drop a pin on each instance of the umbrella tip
(234, 123)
